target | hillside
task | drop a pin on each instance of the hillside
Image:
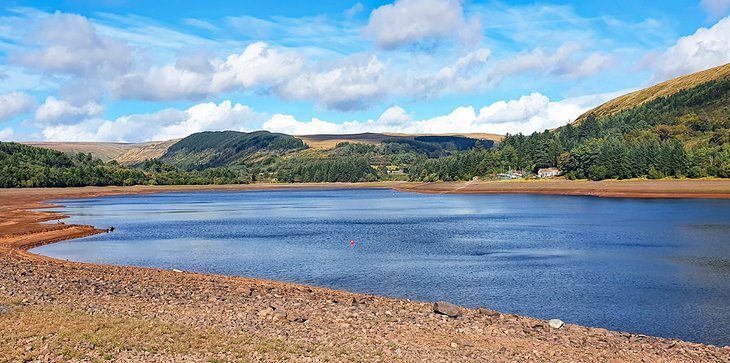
(229, 148)
(329, 141)
(145, 151)
(123, 153)
(664, 89)
(29, 166)
(105, 151)
(679, 128)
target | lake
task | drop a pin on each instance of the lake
(651, 266)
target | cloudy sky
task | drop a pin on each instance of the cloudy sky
(130, 71)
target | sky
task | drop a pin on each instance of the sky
(134, 71)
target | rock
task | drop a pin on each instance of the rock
(5, 309)
(296, 318)
(244, 291)
(488, 312)
(446, 308)
(556, 323)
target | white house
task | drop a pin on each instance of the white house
(548, 172)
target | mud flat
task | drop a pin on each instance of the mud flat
(54, 310)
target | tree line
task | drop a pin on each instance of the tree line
(28, 166)
(684, 135)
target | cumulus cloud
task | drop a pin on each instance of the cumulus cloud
(162, 125)
(716, 8)
(69, 44)
(706, 48)
(529, 113)
(352, 83)
(408, 22)
(259, 65)
(564, 62)
(462, 76)
(55, 111)
(15, 103)
(68, 48)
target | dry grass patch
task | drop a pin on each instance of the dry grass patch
(44, 332)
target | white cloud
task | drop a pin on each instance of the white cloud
(162, 125)
(352, 83)
(71, 45)
(564, 62)
(529, 113)
(259, 65)
(533, 112)
(462, 76)
(15, 103)
(407, 22)
(716, 8)
(55, 111)
(706, 48)
(6, 134)
(209, 116)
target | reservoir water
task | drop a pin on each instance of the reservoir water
(651, 266)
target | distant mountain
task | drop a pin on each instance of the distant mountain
(229, 148)
(661, 90)
(136, 153)
(329, 141)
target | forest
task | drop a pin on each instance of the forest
(684, 135)
(28, 166)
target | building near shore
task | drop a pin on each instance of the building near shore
(548, 172)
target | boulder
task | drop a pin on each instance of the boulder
(556, 323)
(446, 308)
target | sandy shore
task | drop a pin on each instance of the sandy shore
(54, 310)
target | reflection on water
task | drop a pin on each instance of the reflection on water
(656, 267)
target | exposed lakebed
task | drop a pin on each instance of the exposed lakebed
(651, 266)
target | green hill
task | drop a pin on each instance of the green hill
(230, 148)
(678, 128)
(664, 89)
(29, 166)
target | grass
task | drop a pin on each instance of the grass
(663, 89)
(32, 332)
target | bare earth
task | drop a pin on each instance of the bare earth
(53, 310)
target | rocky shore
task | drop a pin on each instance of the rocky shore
(54, 310)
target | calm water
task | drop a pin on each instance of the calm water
(658, 267)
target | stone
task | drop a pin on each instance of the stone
(5, 309)
(244, 291)
(447, 308)
(556, 323)
(296, 318)
(488, 312)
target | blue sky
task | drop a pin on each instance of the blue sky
(130, 71)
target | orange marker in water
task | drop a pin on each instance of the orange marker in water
(352, 243)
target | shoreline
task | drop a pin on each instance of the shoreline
(21, 230)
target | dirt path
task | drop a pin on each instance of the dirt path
(54, 310)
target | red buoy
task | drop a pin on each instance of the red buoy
(352, 242)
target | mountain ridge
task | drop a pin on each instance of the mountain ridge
(663, 89)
